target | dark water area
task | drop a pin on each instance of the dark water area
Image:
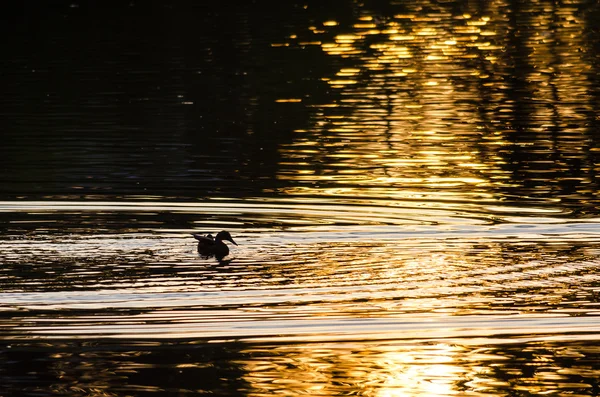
(413, 186)
(170, 99)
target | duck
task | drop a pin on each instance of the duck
(209, 246)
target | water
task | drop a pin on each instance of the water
(412, 187)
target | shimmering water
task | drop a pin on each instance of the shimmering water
(413, 188)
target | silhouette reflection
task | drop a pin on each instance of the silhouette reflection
(376, 368)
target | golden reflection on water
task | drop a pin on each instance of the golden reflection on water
(377, 371)
(403, 290)
(383, 369)
(407, 369)
(472, 102)
(302, 314)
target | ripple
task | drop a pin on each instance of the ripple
(299, 214)
(376, 281)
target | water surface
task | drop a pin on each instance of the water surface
(413, 188)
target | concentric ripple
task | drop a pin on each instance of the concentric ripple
(376, 279)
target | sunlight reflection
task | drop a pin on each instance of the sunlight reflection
(378, 371)
(397, 175)
(430, 372)
(423, 105)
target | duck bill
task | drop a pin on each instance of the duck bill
(232, 241)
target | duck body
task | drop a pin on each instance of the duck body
(209, 246)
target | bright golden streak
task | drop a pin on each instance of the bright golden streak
(364, 26)
(348, 72)
(404, 16)
(347, 37)
(342, 82)
(402, 37)
(427, 32)
(476, 23)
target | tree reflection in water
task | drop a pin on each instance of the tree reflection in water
(491, 366)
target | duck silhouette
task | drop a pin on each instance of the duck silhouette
(209, 246)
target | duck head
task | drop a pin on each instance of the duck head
(223, 235)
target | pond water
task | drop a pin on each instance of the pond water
(413, 187)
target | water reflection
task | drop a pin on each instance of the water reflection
(453, 102)
(435, 369)
(413, 186)
(304, 282)
(443, 101)
(121, 368)
(385, 368)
